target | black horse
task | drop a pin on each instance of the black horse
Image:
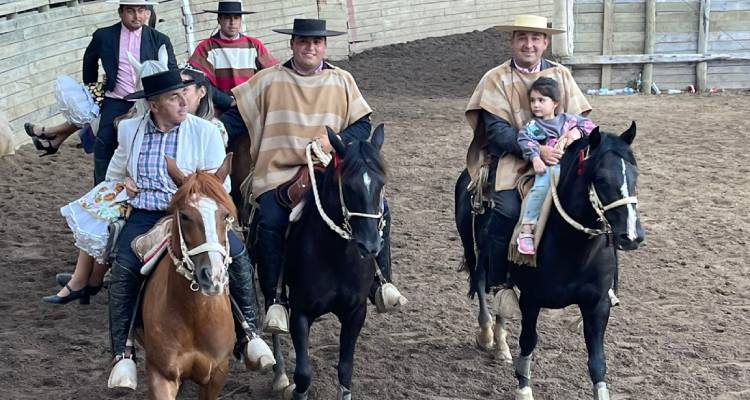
(576, 264)
(330, 265)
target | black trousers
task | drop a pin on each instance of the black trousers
(106, 137)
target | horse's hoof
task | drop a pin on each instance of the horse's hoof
(280, 382)
(503, 354)
(344, 393)
(290, 393)
(485, 340)
(524, 393)
(123, 375)
(276, 321)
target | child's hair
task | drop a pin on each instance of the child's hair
(206, 106)
(547, 87)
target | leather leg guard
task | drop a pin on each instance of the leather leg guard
(386, 296)
(270, 263)
(123, 296)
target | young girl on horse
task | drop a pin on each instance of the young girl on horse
(549, 129)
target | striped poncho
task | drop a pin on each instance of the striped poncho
(504, 91)
(283, 111)
(230, 62)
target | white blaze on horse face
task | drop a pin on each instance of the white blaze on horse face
(367, 180)
(632, 216)
(207, 208)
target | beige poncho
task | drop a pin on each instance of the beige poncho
(503, 91)
(283, 111)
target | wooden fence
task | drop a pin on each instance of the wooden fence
(673, 43)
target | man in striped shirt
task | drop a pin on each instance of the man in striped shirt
(229, 58)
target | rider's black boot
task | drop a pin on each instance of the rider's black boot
(123, 297)
(250, 347)
(270, 264)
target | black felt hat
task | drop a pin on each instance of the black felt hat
(159, 83)
(310, 28)
(229, 7)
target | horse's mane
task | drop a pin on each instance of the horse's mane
(359, 156)
(204, 184)
(609, 143)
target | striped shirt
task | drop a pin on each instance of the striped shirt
(155, 187)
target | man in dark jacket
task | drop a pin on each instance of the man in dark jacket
(111, 45)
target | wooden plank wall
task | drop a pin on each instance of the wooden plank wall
(677, 24)
(382, 22)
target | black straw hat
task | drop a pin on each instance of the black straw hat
(158, 83)
(229, 7)
(309, 28)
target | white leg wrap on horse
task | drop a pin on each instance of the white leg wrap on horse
(277, 320)
(123, 375)
(280, 382)
(524, 393)
(501, 340)
(344, 393)
(485, 337)
(523, 366)
(600, 391)
(388, 298)
(258, 355)
(506, 304)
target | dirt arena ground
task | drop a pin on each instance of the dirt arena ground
(681, 333)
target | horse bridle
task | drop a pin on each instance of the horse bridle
(596, 204)
(185, 265)
(345, 230)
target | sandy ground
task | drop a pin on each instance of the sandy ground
(681, 332)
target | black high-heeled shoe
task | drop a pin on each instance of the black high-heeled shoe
(82, 295)
(63, 278)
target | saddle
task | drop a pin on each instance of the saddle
(152, 245)
(290, 193)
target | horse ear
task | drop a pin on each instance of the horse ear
(163, 57)
(336, 142)
(595, 137)
(225, 168)
(629, 135)
(378, 136)
(135, 64)
(174, 171)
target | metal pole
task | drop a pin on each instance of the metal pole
(187, 22)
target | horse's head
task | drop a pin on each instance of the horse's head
(361, 180)
(614, 176)
(203, 213)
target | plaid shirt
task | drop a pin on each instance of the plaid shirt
(155, 187)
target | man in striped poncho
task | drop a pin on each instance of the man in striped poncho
(285, 108)
(229, 58)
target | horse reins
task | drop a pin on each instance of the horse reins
(185, 265)
(345, 231)
(596, 203)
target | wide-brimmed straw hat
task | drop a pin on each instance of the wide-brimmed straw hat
(158, 83)
(229, 7)
(309, 28)
(133, 2)
(529, 23)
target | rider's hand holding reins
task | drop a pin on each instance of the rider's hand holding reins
(550, 155)
(323, 142)
(130, 188)
(539, 166)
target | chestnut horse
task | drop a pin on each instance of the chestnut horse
(188, 332)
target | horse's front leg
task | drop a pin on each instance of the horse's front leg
(527, 342)
(595, 321)
(211, 390)
(502, 351)
(159, 387)
(485, 338)
(351, 325)
(280, 380)
(299, 328)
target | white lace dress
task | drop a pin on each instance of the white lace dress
(75, 101)
(89, 216)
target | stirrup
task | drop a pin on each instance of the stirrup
(123, 375)
(506, 304)
(277, 320)
(257, 355)
(388, 298)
